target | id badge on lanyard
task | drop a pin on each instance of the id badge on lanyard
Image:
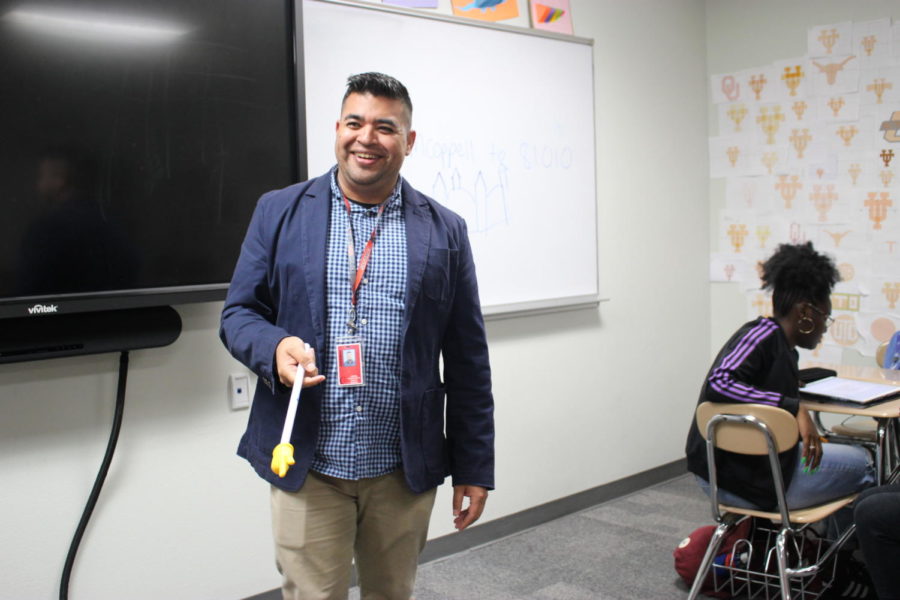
(349, 356)
(349, 349)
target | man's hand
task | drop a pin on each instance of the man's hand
(809, 435)
(477, 497)
(291, 355)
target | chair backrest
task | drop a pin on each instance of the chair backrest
(888, 353)
(744, 438)
(880, 352)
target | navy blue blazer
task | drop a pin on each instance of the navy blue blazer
(278, 290)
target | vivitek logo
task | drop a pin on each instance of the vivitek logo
(38, 309)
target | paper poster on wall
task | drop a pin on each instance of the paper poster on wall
(767, 231)
(792, 79)
(880, 85)
(842, 237)
(748, 193)
(837, 107)
(872, 42)
(853, 267)
(827, 138)
(759, 303)
(830, 40)
(834, 75)
(736, 155)
(735, 117)
(759, 84)
(724, 268)
(769, 123)
(774, 159)
(551, 15)
(726, 88)
(879, 326)
(735, 233)
(852, 137)
(486, 10)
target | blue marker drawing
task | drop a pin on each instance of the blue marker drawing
(483, 5)
(483, 206)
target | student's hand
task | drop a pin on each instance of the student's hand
(290, 354)
(809, 435)
(477, 495)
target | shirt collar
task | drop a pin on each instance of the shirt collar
(394, 201)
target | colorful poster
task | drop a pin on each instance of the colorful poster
(413, 3)
(486, 10)
(551, 15)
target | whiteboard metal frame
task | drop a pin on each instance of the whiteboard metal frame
(539, 307)
(400, 10)
(517, 309)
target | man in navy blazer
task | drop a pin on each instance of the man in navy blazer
(287, 304)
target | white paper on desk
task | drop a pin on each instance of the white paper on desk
(853, 390)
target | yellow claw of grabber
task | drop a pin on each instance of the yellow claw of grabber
(282, 459)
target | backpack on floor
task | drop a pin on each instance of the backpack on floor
(689, 554)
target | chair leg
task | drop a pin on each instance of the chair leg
(781, 555)
(714, 542)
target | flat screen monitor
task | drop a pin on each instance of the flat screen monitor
(136, 139)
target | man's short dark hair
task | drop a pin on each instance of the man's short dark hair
(380, 85)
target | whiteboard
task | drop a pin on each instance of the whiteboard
(505, 138)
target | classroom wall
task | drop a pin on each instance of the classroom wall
(742, 35)
(583, 397)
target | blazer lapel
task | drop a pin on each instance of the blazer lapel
(418, 241)
(315, 208)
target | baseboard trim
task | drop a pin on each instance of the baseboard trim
(455, 543)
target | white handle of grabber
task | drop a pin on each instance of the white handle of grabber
(293, 403)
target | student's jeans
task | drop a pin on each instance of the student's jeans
(843, 470)
(877, 516)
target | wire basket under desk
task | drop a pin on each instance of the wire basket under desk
(749, 569)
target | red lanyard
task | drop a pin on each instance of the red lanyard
(357, 271)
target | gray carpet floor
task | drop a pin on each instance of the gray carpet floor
(619, 550)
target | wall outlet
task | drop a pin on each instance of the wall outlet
(239, 391)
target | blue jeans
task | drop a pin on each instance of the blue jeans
(844, 470)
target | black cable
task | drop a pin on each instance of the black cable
(101, 477)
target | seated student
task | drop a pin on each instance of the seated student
(759, 365)
(877, 516)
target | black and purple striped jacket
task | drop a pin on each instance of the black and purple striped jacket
(756, 365)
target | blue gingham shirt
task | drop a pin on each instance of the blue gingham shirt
(359, 432)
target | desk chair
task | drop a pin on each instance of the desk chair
(864, 428)
(760, 430)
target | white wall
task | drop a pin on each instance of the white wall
(742, 35)
(583, 398)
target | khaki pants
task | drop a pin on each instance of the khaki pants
(322, 527)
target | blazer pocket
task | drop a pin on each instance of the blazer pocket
(434, 444)
(439, 272)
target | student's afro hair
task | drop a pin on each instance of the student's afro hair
(797, 273)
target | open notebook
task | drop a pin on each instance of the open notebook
(839, 389)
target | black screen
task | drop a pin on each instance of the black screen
(136, 138)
